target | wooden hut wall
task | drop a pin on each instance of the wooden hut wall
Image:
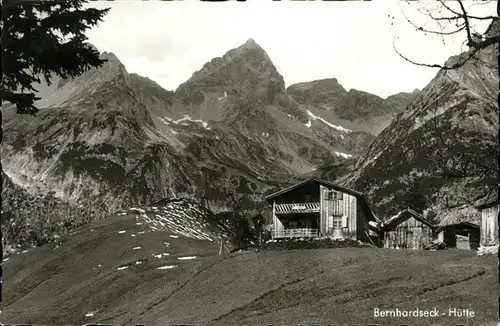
(489, 226)
(351, 209)
(323, 212)
(277, 224)
(362, 226)
(347, 205)
(409, 234)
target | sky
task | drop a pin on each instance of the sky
(306, 40)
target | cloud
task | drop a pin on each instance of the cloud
(351, 41)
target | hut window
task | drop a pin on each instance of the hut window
(337, 221)
(334, 195)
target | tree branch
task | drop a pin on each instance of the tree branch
(443, 67)
(475, 44)
(471, 42)
(464, 12)
(422, 29)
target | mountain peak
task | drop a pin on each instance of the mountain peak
(249, 46)
(251, 43)
(247, 64)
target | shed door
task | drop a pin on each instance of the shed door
(410, 239)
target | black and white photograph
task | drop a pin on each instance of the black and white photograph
(250, 162)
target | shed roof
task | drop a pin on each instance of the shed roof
(403, 216)
(459, 225)
(491, 199)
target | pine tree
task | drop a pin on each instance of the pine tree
(44, 39)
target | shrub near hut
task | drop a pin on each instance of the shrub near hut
(238, 226)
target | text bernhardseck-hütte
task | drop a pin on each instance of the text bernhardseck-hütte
(451, 312)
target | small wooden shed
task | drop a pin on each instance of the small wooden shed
(489, 220)
(407, 230)
(462, 235)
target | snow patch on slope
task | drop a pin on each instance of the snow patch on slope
(186, 258)
(177, 219)
(165, 121)
(344, 155)
(315, 117)
(166, 267)
(188, 118)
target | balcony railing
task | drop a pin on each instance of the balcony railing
(295, 233)
(296, 208)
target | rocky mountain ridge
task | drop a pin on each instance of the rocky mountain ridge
(440, 155)
(231, 133)
(361, 111)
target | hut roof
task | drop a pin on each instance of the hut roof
(460, 225)
(319, 181)
(403, 216)
(491, 199)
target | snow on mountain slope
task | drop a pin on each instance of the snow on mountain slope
(314, 117)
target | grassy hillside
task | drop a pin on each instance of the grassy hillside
(82, 279)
